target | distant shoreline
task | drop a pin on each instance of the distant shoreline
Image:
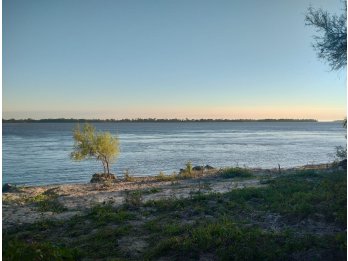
(63, 120)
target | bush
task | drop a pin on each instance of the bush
(188, 167)
(236, 172)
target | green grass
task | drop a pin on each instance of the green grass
(47, 201)
(237, 225)
(20, 250)
(104, 214)
(229, 241)
(234, 172)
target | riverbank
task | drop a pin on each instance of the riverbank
(298, 213)
(30, 204)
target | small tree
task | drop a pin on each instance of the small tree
(91, 144)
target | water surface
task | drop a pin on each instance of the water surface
(38, 153)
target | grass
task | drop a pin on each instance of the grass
(133, 198)
(228, 241)
(104, 214)
(163, 177)
(152, 191)
(300, 216)
(234, 172)
(20, 250)
(47, 201)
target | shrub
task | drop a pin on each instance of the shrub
(127, 177)
(234, 172)
(188, 167)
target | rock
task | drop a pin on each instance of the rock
(197, 168)
(8, 188)
(208, 167)
(103, 177)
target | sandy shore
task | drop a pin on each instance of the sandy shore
(20, 206)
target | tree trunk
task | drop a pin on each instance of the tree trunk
(104, 166)
(107, 166)
(103, 162)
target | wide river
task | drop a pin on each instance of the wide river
(39, 153)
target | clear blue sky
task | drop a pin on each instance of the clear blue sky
(166, 59)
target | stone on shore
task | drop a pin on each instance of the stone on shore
(103, 177)
(208, 167)
(9, 188)
(197, 168)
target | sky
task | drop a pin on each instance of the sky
(166, 59)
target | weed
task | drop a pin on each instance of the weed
(104, 214)
(234, 172)
(127, 177)
(152, 191)
(20, 250)
(133, 198)
(163, 177)
(47, 201)
(188, 167)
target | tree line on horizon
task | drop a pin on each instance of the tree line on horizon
(29, 120)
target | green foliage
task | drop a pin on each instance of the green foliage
(332, 45)
(234, 172)
(47, 201)
(19, 250)
(92, 144)
(103, 214)
(188, 167)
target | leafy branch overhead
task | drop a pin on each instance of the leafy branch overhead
(331, 45)
(91, 144)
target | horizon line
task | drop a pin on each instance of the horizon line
(157, 119)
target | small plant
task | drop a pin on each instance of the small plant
(102, 214)
(188, 167)
(47, 201)
(163, 177)
(127, 177)
(234, 172)
(133, 198)
(152, 191)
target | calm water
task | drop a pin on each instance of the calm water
(38, 153)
